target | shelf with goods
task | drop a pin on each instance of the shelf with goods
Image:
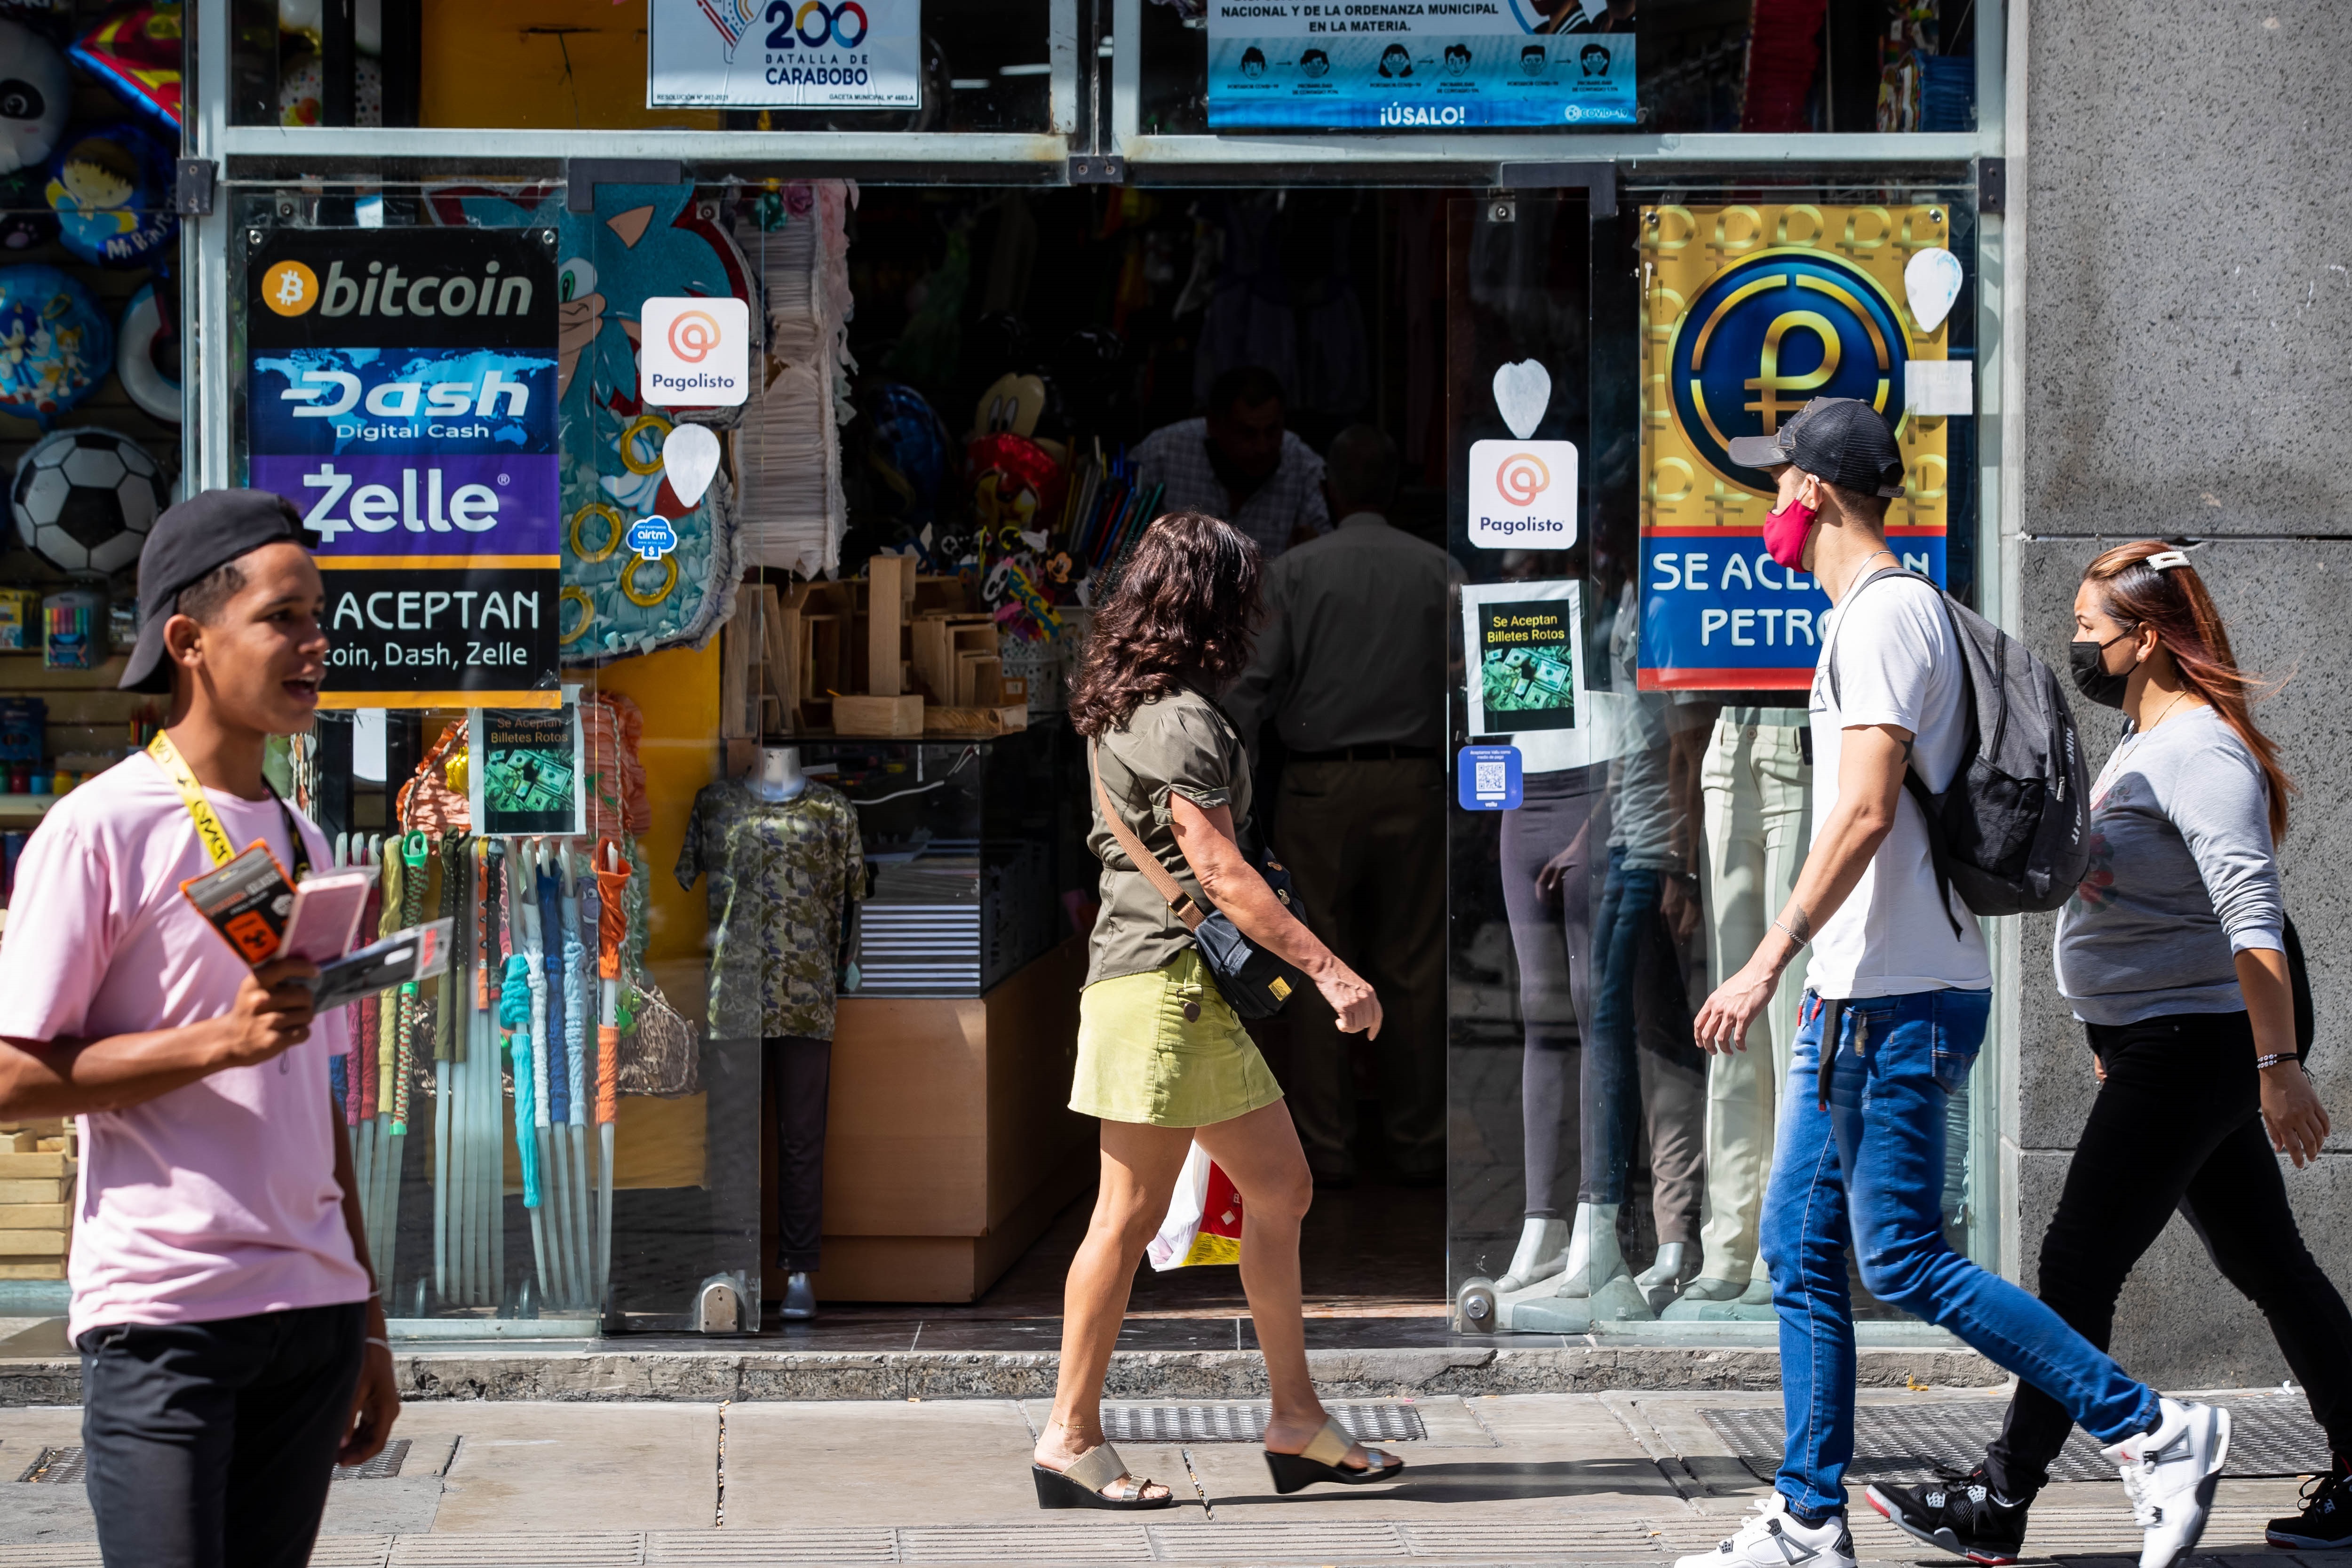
(90, 437)
(38, 1160)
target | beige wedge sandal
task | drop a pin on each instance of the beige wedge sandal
(1081, 1485)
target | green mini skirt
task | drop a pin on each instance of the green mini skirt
(1166, 1049)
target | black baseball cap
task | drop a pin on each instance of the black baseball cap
(188, 543)
(1840, 440)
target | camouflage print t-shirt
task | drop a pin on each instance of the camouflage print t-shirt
(782, 877)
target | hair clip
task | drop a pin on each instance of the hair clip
(2164, 561)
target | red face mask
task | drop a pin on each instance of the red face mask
(1785, 532)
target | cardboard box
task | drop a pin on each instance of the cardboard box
(34, 1243)
(58, 1191)
(976, 721)
(896, 717)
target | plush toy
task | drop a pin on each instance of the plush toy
(137, 53)
(35, 94)
(55, 344)
(642, 241)
(306, 16)
(302, 93)
(109, 188)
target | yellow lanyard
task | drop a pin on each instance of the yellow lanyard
(209, 831)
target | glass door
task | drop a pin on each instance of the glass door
(1632, 784)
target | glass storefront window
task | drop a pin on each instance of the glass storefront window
(1612, 1179)
(1778, 67)
(549, 66)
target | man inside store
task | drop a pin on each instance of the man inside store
(1239, 462)
(233, 1343)
(1351, 667)
(1897, 990)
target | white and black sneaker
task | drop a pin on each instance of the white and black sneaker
(1773, 1538)
(2169, 1474)
(2326, 1522)
(1961, 1513)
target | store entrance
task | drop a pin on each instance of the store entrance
(1069, 344)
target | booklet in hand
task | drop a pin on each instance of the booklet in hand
(420, 953)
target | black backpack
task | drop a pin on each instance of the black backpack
(2010, 834)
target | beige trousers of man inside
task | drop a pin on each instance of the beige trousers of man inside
(1757, 789)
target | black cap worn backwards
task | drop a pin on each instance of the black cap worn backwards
(1840, 440)
(188, 543)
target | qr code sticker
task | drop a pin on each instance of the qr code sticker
(1489, 779)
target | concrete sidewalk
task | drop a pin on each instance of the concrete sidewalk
(1500, 1480)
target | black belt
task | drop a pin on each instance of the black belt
(1368, 754)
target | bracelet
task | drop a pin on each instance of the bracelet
(2275, 1058)
(1802, 942)
(385, 1343)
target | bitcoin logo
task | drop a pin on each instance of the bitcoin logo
(1522, 478)
(692, 335)
(289, 287)
(1769, 333)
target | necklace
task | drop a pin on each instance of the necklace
(2168, 707)
(1861, 563)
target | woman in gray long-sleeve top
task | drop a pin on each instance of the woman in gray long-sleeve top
(2172, 953)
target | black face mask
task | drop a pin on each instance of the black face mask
(2084, 662)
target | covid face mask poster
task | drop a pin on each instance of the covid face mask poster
(401, 392)
(1417, 65)
(1748, 313)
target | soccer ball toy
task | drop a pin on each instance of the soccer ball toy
(84, 499)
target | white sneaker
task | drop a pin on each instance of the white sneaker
(2171, 1474)
(1774, 1539)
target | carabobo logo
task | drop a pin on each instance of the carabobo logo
(816, 25)
(1767, 335)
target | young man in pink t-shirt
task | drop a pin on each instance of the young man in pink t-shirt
(232, 1341)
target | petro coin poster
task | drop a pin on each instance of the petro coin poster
(1749, 311)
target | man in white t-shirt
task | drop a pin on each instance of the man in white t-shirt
(1897, 991)
(232, 1342)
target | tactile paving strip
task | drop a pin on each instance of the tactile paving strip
(1244, 1421)
(2269, 1436)
(65, 1465)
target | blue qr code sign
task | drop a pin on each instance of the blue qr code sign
(1488, 778)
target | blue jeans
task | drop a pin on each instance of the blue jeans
(1626, 919)
(1867, 1175)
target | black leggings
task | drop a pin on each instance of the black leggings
(2178, 1124)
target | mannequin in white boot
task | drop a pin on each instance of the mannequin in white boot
(780, 779)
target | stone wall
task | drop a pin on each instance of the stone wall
(2187, 364)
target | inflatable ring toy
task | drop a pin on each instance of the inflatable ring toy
(612, 517)
(587, 615)
(157, 394)
(629, 576)
(642, 422)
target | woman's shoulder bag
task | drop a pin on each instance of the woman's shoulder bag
(1252, 980)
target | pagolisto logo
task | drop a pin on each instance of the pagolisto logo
(692, 335)
(1522, 478)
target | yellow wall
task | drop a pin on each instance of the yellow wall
(659, 1142)
(559, 64)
